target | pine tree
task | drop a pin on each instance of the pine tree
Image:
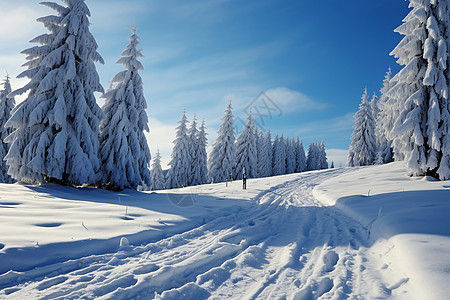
(202, 158)
(332, 165)
(362, 149)
(121, 151)
(422, 130)
(265, 155)
(322, 157)
(156, 173)
(222, 159)
(312, 160)
(300, 157)
(385, 122)
(55, 130)
(198, 142)
(279, 157)
(291, 162)
(192, 149)
(6, 106)
(246, 151)
(180, 164)
(130, 60)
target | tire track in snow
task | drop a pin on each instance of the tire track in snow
(287, 245)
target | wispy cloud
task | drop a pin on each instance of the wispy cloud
(290, 100)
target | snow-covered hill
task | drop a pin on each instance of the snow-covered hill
(346, 233)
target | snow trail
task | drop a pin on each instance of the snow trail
(287, 245)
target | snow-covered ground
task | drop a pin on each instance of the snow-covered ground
(346, 233)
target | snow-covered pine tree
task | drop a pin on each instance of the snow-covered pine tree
(291, 162)
(322, 157)
(122, 153)
(198, 142)
(55, 129)
(156, 173)
(422, 131)
(300, 157)
(312, 160)
(259, 146)
(6, 106)
(180, 164)
(279, 156)
(385, 122)
(246, 151)
(332, 165)
(130, 60)
(222, 159)
(202, 158)
(265, 155)
(362, 148)
(192, 149)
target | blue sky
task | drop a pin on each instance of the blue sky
(312, 59)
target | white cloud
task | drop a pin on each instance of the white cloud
(290, 100)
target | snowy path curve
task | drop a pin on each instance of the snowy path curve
(286, 246)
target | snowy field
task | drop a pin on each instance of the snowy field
(368, 233)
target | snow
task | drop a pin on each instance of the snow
(407, 218)
(311, 235)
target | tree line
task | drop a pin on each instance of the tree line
(253, 151)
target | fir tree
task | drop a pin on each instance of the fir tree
(385, 122)
(121, 151)
(246, 151)
(222, 160)
(180, 164)
(300, 157)
(202, 158)
(199, 170)
(279, 156)
(55, 129)
(362, 149)
(291, 162)
(322, 157)
(156, 173)
(313, 158)
(265, 155)
(422, 130)
(193, 149)
(6, 106)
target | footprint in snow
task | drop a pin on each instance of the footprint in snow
(330, 260)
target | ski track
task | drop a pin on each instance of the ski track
(287, 246)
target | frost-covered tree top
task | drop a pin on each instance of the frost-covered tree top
(157, 176)
(124, 156)
(246, 151)
(421, 132)
(362, 148)
(6, 106)
(180, 164)
(55, 130)
(222, 159)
